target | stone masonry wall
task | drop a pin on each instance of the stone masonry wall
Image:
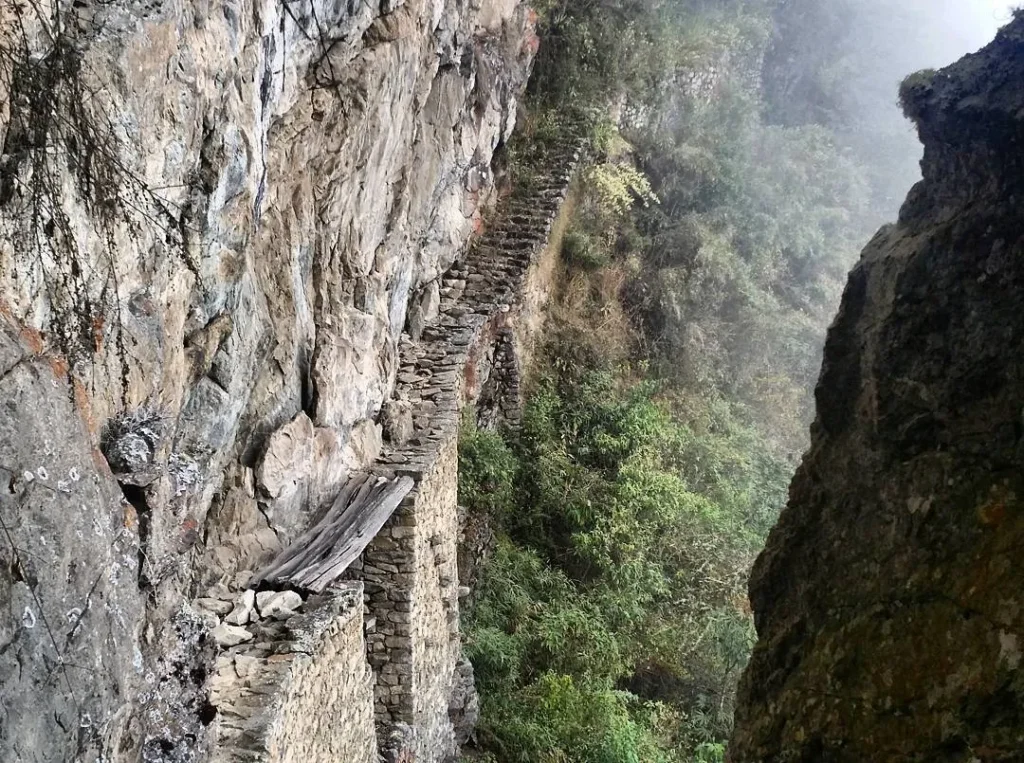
(387, 569)
(300, 691)
(412, 616)
(500, 398)
(411, 567)
(436, 643)
(279, 702)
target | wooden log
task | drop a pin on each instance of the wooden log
(289, 560)
(318, 557)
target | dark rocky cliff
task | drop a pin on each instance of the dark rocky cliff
(889, 601)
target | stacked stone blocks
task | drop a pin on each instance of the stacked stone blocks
(340, 696)
(467, 356)
(301, 691)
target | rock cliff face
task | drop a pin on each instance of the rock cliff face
(889, 601)
(207, 272)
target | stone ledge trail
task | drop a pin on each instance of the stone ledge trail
(415, 705)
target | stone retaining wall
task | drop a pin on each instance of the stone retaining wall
(436, 643)
(300, 691)
(500, 398)
(464, 348)
(467, 356)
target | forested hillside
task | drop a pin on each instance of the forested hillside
(728, 195)
(837, 64)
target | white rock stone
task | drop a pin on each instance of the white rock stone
(279, 605)
(339, 453)
(425, 309)
(242, 612)
(231, 635)
(214, 606)
(396, 419)
(288, 458)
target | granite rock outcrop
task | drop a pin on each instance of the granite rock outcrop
(206, 277)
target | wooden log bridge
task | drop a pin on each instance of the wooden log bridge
(317, 558)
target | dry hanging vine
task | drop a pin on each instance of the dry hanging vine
(60, 151)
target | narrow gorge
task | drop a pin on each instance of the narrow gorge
(417, 381)
(888, 598)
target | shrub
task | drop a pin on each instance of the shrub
(617, 186)
(558, 719)
(611, 562)
(487, 468)
(581, 250)
(914, 92)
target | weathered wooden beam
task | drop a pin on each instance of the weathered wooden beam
(318, 557)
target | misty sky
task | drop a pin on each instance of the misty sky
(896, 37)
(889, 39)
(974, 24)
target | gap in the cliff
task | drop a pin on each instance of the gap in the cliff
(136, 496)
(207, 713)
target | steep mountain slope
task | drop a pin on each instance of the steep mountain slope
(218, 218)
(888, 600)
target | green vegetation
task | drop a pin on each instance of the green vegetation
(747, 258)
(706, 255)
(913, 89)
(610, 560)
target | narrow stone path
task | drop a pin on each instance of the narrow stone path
(395, 667)
(410, 570)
